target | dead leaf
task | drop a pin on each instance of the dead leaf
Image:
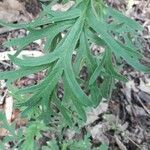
(3, 132)
(98, 133)
(9, 10)
(8, 108)
(145, 87)
(120, 144)
(65, 7)
(92, 115)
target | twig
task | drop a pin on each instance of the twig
(145, 108)
(120, 144)
(134, 143)
(8, 108)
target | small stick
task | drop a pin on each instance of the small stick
(145, 108)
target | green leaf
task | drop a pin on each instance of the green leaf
(5, 124)
(69, 46)
(11, 25)
(48, 83)
(127, 54)
(104, 147)
(110, 68)
(50, 31)
(98, 70)
(32, 132)
(96, 95)
(122, 18)
(91, 63)
(75, 87)
(69, 95)
(95, 75)
(94, 38)
(12, 75)
(49, 19)
(35, 61)
(63, 111)
(80, 109)
(53, 145)
(54, 17)
(97, 7)
(106, 86)
(82, 25)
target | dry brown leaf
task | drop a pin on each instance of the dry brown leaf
(65, 7)
(92, 115)
(98, 133)
(16, 117)
(17, 10)
(3, 132)
(8, 108)
(145, 86)
(13, 4)
(9, 10)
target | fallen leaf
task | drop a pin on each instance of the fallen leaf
(93, 114)
(65, 7)
(8, 108)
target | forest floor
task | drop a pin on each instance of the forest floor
(123, 122)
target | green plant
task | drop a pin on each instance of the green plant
(22, 140)
(87, 22)
(84, 144)
(83, 24)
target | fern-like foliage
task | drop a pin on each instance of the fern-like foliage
(87, 22)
